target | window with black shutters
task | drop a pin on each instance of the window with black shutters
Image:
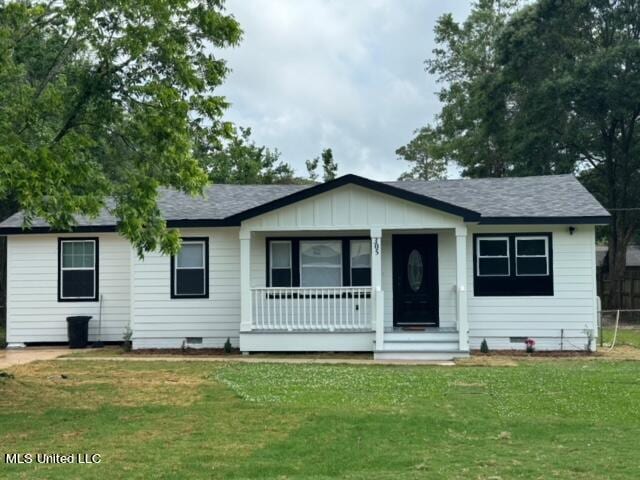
(513, 264)
(78, 272)
(190, 269)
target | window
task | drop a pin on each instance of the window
(321, 263)
(493, 256)
(281, 264)
(532, 256)
(78, 275)
(190, 269)
(318, 262)
(513, 264)
(360, 262)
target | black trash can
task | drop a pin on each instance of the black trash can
(78, 331)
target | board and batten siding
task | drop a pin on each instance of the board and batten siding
(351, 207)
(164, 322)
(568, 313)
(33, 311)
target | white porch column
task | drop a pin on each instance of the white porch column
(376, 284)
(461, 287)
(245, 280)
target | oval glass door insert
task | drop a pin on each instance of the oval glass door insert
(415, 270)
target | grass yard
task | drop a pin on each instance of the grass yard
(566, 419)
(626, 336)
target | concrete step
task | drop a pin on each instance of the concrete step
(419, 355)
(433, 346)
(421, 336)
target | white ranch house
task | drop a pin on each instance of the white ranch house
(407, 270)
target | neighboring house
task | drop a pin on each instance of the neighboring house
(630, 283)
(408, 270)
(632, 260)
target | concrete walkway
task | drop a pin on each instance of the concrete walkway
(20, 356)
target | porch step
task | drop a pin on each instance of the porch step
(420, 336)
(419, 355)
(418, 346)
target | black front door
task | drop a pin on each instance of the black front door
(415, 280)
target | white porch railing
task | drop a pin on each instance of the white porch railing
(325, 309)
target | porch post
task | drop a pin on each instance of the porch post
(245, 280)
(376, 284)
(461, 287)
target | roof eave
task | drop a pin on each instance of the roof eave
(576, 220)
(465, 213)
(184, 223)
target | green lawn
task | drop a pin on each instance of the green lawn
(626, 336)
(542, 419)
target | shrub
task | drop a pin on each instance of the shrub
(126, 345)
(227, 346)
(530, 344)
(590, 338)
(484, 346)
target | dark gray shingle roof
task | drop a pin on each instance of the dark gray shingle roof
(217, 203)
(551, 196)
(543, 196)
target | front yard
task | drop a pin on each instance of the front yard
(569, 418)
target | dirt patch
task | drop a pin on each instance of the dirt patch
(541, 353)
(511, 358)
(212, 352)
(91, 385)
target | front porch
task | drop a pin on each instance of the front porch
(355, 318)
(356, 268)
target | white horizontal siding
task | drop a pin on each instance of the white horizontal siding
(162, 321)
(33, 311)
(569, 312)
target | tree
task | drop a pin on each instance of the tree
(109, 99)
(470, 129)
(575, 69)
(240, 161)
(329, 166)
(551, 87)
(312, 166)
(419, 152)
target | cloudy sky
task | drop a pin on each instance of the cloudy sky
(349, 75)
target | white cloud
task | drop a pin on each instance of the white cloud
(348, 75)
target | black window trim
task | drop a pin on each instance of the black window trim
(295, 254)
(205, 241)
(515, 282)
(96, 269)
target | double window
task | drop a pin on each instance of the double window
(78, 269)
(513, 264)
(190, 269)
(319, 262)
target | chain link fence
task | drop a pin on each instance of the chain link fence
(619, 327)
